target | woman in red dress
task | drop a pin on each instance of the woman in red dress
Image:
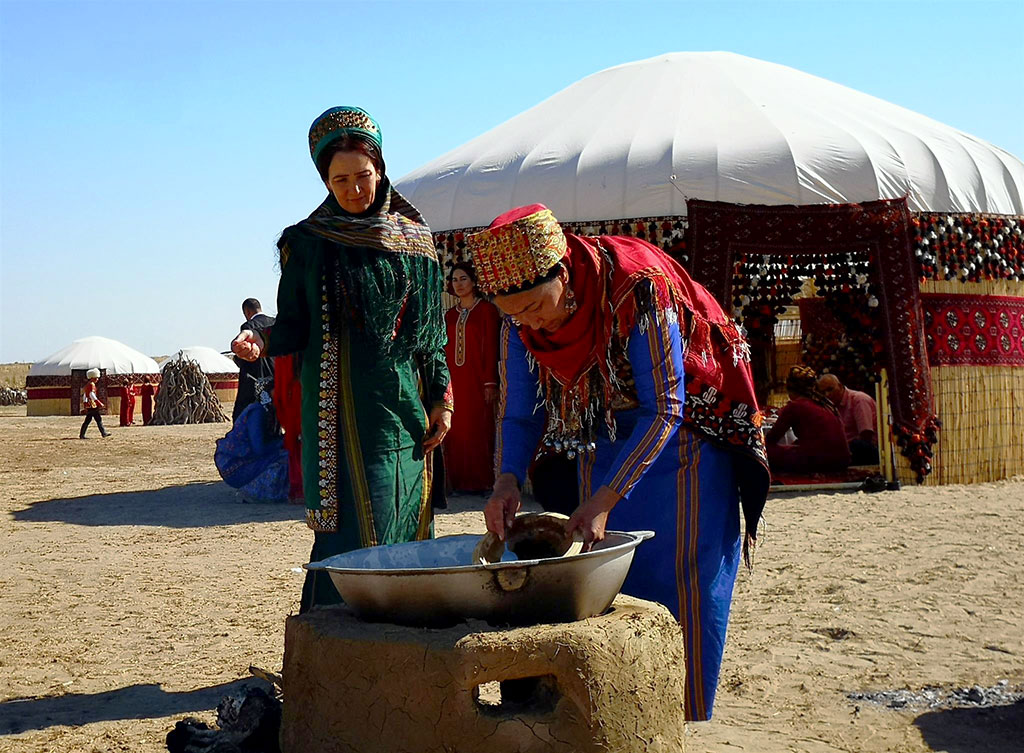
(128, 404)
(472, 353)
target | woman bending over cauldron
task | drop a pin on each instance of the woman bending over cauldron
(646, 384)
(360, 300)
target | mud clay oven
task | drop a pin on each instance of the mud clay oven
(607, 683)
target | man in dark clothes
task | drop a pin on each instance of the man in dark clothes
(251, 371)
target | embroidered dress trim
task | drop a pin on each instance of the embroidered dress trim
(325, 519)
(426, 509)
(448, 399)
(506, 331)
(460, 334)
(586, 472)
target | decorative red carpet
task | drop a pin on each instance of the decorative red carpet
(852, 475)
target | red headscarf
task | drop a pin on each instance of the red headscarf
(579, 344)
(721, 404)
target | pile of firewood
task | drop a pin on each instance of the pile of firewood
(186, 396)
(10, 396)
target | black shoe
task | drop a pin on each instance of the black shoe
(874, 484)
(105, 435)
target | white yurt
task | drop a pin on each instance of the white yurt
(783, 192)
(55, 383)
(219, 369)
(639, 139)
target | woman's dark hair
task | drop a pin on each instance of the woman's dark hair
(548, 276)
(350, 142)
(801, 380)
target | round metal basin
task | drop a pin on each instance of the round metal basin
(429, 583)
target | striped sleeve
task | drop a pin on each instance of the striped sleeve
(656, 355)
(520, 413)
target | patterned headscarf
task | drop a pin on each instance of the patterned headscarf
(804, 382)
(341, 121)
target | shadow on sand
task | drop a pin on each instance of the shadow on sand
(134, 702)
(196, 505)
(997, 729)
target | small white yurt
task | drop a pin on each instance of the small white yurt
(219, 369)
(55, 383)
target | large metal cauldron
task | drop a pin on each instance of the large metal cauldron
(429, 583)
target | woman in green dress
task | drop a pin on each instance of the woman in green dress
(360, 301)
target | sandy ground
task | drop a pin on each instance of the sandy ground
(137, 589)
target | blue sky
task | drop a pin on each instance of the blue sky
(151, 152)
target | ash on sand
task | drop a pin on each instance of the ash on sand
(247, 722)
(976, 697)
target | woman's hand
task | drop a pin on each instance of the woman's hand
(591, 517)
(440, 422)
(503, 505)
(248, 345)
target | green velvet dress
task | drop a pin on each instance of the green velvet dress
(360, 300)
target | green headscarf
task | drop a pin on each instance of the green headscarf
(336, 122)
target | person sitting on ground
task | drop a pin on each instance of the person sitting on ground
(250, 372)
(820, 441)
(857, 412)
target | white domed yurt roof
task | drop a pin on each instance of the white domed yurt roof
(210, 361)
(95, 352)
(638, 139)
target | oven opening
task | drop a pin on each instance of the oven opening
(523, 695)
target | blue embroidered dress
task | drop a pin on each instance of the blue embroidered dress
(671, 481)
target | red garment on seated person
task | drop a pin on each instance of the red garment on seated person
(820, 439)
